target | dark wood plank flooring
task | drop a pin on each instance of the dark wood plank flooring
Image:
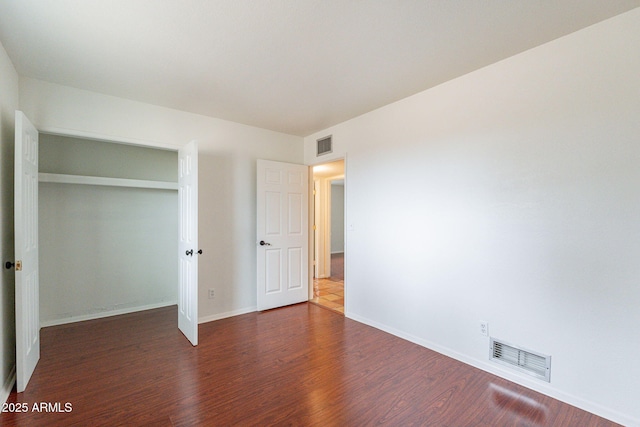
(299, 366)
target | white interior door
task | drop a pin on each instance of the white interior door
(188, 241)
(283, 234)
(26, 251)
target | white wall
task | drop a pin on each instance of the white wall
(509, 195)
(337, 218)
(106, 250)
(228, 153)
(8, 105)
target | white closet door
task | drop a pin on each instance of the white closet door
(188, 241)
(26, 251)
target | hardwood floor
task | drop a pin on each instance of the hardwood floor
(299, 366)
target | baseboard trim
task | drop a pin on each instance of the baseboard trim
(103, 314)
(227, 314)
(8, 385)
(570, 399)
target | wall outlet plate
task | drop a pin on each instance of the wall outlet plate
(212, 293)
(484, 328)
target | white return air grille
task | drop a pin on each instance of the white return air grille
(324, 146)
(535, 364)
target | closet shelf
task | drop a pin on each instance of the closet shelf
(111, 182)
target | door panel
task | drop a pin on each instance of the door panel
(188, 241)
(295, 214)
(273, 277)
(273, 214)
(26, 251)
(295, 268)
(282, 231)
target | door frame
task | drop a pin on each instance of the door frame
(108, 138)
(311, 221)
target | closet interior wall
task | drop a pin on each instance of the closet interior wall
(104, 249)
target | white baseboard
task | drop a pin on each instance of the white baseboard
(576, 401)
(103, 314)
(214, 317)
(8, 385)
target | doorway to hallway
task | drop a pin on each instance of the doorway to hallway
(328, 235)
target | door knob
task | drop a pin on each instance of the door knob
(190, 252)
(9, 264)
(199, 252)
(263, 243)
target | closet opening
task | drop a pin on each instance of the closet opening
(108, 228)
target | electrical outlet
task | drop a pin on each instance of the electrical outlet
(484, 328)
(212, 293)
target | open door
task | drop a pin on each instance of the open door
(188, 241)
(282, 234)
(26, 251)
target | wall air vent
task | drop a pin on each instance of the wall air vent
(535, 364)
(324, 146)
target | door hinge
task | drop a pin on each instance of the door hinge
(18, 265)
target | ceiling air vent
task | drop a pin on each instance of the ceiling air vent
(324, 146)
(535, 364)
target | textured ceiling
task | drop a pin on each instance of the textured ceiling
(294, 66)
